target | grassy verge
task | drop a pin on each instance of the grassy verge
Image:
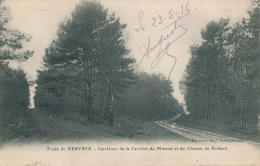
(72, 127)
(138, 130)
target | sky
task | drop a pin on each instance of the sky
(158, 33)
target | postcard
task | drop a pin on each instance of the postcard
(127, 82)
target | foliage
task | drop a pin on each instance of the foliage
(88, 62)
(222, 77)
(11, 40)
(14, 88)
(149, 99)
(14, 98)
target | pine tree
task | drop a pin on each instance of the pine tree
(89, 57)
(10, 39)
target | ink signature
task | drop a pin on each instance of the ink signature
(164, 43)
(172, 32)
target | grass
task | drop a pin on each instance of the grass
(73, 127)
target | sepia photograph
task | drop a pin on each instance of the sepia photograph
(129, 83)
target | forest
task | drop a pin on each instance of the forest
(222, 81)
(88, 73)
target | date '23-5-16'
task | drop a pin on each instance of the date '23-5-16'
(156, 21)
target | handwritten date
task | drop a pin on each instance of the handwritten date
(160, 19)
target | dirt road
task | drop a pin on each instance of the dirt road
(199, 135)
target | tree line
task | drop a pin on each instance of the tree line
(14, 88)
(222, 80)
